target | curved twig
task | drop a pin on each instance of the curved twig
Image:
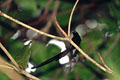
(102, 60)
(70, 19)
(8, 54)
(82, 52)
(29, 27)
(86, 56)
(64, 33)
(7, 2)
(60, 38)
(16, 68)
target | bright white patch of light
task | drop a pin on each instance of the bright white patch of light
(70, 65)
(107, 34)
(101, 26)
(27, 42)
(62, 46)
(81, 29)
(16, 35)
(64, 60)
(28, 69)
(118, 27)
(91, 23)
(30, 33)
(58, 43)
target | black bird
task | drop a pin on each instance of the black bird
(76, 38)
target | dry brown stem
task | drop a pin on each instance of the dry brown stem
(116, 39)
(47, 7)
(8, 54)
(70, 19)
(9, 71)
(7, 2)
(29, 27)
(49, 23)
(16, 68)
(29, 75)
(81, 51)
(60, 28)
(103, 62)
(86, 56)
(55, 37)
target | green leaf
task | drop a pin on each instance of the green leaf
(24, 55)
(20, 52)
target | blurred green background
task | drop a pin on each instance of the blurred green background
(97, 21)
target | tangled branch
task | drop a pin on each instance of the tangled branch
(51, 36)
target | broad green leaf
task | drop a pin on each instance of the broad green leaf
(24, 55)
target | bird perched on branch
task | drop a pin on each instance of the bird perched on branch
(76, 39)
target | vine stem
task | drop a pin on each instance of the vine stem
(16, 67)
(103, 62)
(30, 27)
(81, 51)
(89, 58)
(8, 54)
(60, 38)
(70, 19)
(63, 32)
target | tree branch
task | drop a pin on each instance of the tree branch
(8, 54)
(70, 19)
(29, 27)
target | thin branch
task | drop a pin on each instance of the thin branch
(44, 15)
(60, 28)
(6, 66)
(60, 38)
(59, 70)
(77, 75)
(10, 66)
(49, 23)
(29, 75)
(70, 19)
(23, 72)
(86, 56)
(103, 62)
(9, 71)
(89, 58)
(116, 39)
(6, 3)
(47, 7)
(29, 27)
(8, 54)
